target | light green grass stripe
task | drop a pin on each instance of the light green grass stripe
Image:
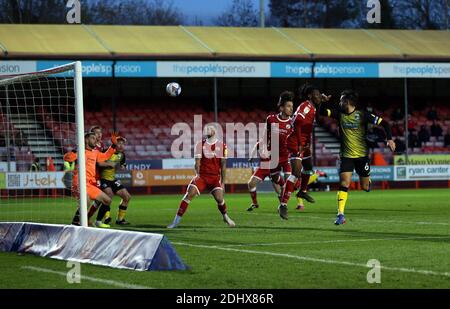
(317, 260)
(337, 241)
(327, 218)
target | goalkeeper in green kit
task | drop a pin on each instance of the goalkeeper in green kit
(111, 185)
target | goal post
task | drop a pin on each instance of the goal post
(79, 116)
(41, 117)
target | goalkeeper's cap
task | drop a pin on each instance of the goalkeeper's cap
(87, 134)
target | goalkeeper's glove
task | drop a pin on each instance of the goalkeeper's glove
(114, 137)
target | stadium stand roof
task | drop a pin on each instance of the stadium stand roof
(220, 43)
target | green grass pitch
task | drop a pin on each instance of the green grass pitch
(408, 231)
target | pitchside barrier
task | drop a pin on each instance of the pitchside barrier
(105, 247)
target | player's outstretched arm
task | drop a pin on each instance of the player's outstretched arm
(103, 156)
(377, 120)
(325, 109)
(387, 128)
(106, 164)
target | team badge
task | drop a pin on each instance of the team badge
(306, 110)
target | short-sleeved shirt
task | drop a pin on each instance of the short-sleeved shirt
(211, 155)
(302, 123)
(283, 128)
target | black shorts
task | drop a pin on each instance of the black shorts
(360, 165)
(114, 185)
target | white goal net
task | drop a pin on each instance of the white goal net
(41, 118)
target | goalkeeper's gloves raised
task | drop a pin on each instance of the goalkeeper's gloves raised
(115, 137)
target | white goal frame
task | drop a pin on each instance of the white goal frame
(5, 81)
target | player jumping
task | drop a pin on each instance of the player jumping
(299, 145)
(282, 119)
(354, 153)
(312, 179)
(210, 169)
(92, 157)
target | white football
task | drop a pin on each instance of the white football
(173, 89)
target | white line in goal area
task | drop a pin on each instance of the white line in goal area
(315, 260)
(41, 117)
(115, 283)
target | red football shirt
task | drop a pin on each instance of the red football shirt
(303, 122)
(100, 147)
(283, 130)
(211, 155)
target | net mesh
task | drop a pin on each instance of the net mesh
(37, 126)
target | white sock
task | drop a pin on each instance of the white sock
(176, 220)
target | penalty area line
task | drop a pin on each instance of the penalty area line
(317, 260)
(119, 284)
(332, 217)
(336, 241)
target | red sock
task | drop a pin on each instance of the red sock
(253, 195)
(305, 179)
(182, 209)
(287, 191)
(223, 208)
(280, 181)
(297, 184)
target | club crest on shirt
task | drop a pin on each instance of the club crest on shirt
(306, 110)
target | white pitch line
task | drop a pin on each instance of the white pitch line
(317, 260)
(359, 219)
(336, 241)
(93, 279)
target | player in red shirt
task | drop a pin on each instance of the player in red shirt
(98, 131)
(210, 169)
(299, 145)
(283, 129)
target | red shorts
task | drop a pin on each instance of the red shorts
(306, 148)
(262, 173)
(304, 154)
(202, 182)
(284, 166)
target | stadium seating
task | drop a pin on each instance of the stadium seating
(148, 128)
(417, 119)
(149, 131)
